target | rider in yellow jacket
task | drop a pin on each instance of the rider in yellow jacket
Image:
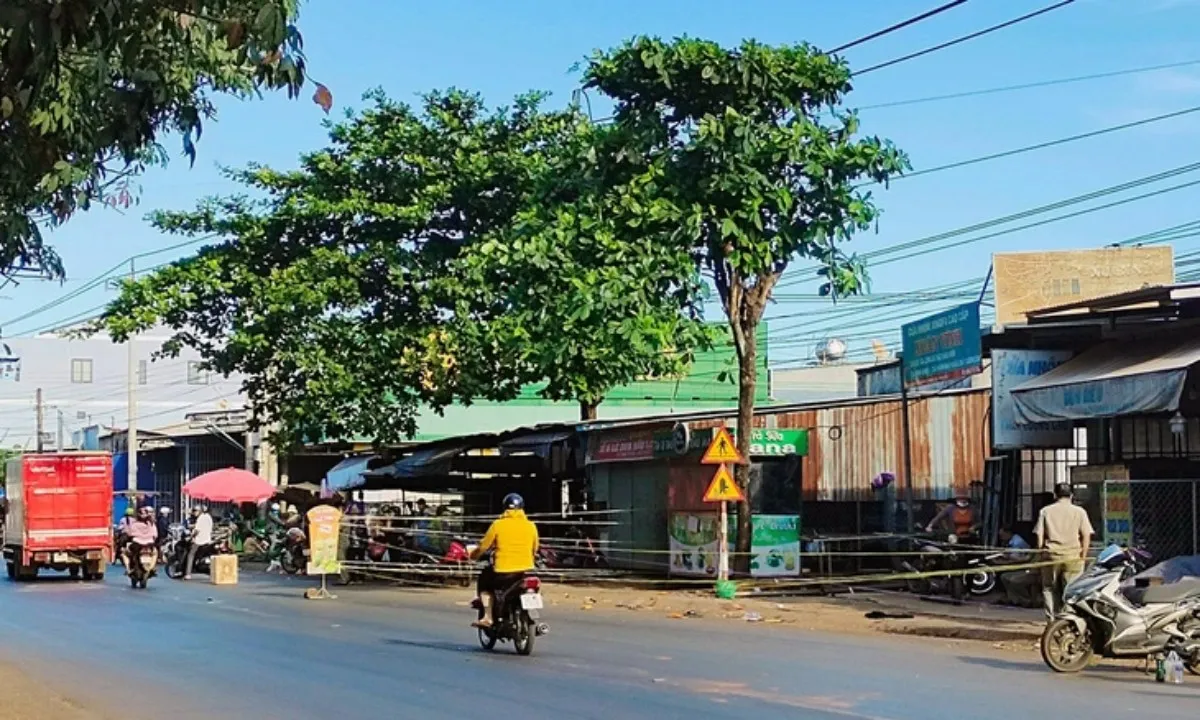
(514, 538)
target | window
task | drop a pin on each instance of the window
(81, 370)
(143, 372)
(197, 375)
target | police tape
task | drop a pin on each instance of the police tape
(400, 570)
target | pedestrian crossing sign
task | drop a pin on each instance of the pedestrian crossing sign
(722, 450)
(723, 487)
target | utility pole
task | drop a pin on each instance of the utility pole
(41, 418)
(61, 432)
(131, 435)
(906, 440)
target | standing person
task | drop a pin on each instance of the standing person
(202, 537)
(1064, 535)
(514, 538)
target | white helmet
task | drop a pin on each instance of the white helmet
(164, 511)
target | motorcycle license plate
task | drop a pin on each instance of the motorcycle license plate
(531, 601)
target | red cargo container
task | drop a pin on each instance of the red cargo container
(59, 514)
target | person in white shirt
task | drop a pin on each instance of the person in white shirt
(202, 537)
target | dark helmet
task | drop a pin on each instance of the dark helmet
(513, 501)
(1063, 490)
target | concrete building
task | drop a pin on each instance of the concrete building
(84, 382)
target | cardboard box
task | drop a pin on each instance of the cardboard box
(224, 570)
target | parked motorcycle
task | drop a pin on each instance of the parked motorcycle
(937, 554)
(142, 564)
(983, 580)
(1100, 617)
(515, 617)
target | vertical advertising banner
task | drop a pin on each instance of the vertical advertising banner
(324, 523)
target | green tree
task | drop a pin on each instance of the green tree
(761, 164)
(89, 87)
(577, 290)
(412, 262)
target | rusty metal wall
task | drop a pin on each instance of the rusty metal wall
(851, 444)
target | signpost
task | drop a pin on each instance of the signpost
(945, 346)
(722, 452)
(324, 522)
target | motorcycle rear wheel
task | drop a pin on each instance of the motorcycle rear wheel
(175, 568)
(523, 634)
(1064, 648)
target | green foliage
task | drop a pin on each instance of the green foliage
(759, 163)
(424, 257)
(88, 87)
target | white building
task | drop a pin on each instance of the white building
(84, 383)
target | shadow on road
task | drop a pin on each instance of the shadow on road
(1124, 674)
(435, 645)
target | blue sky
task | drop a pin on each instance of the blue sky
(501, 49)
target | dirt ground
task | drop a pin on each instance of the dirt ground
(27, 698)
(860, 614)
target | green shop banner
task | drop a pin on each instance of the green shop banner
(775, 544)
(764, 442)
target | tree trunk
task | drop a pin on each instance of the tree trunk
(747, 385)
(588, 411)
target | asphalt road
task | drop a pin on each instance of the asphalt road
(259, 650)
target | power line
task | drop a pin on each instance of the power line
(1029, 85)
(1004, 220)
(898, 26)
(1050, 143)
(965, 38)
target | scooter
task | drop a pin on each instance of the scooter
(516, 615)
(1101, 616)
(142, 564)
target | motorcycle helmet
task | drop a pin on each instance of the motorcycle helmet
(164, 511)
(513, 501)
(130, 512)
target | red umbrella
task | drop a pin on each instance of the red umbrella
(229, 485)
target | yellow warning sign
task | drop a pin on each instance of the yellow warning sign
(722, 450)
(723, 488)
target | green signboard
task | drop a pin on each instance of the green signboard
(764, 442)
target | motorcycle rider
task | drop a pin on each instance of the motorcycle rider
(514, 538)
(1064, 535)
(959, 517)
(141, 533)
(202, 537)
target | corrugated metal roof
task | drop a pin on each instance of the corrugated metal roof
(1118, 360)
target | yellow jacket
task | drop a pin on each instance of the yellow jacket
(515, 540)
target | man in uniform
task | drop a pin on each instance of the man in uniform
(1064, 535)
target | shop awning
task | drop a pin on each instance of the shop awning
(1119, 378)
(347, 474)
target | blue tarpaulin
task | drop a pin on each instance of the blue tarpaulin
(347, 474)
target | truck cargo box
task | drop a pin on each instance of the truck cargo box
(59, 511)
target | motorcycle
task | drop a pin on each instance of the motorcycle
(936, 556)
(177, 561)
(982, 580)
(517, 610)
(143, 565)
(294, 555)
(1103, 617)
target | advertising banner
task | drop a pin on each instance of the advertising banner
(1010, 368)
(944, 346)
(323, 525)
(775, 545)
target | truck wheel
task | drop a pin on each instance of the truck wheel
(11, 569)
(73, 571)
(94, 571)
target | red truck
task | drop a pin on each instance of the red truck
(59, 514)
